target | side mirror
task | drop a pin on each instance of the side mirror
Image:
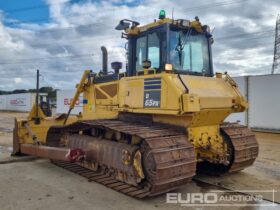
(122, 26)
(125, 24)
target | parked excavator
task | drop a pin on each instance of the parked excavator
(150, 129)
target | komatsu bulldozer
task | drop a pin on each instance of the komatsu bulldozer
(150, 129)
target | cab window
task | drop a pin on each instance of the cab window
(148, 47)
(189, 53)
(153, 49)
(141, 51)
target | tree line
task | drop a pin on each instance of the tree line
(49, 90)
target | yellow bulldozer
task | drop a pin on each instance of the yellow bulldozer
(150, 129)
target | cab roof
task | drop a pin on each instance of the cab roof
(181, 23)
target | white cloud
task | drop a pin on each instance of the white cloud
(17, 80)
(82, 28)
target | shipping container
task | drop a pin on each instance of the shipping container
(264, 97)
(63, 101)
(3, 104)
(21, 102)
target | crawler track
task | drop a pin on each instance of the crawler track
(243, 150)
(168, 159)
(104, 179)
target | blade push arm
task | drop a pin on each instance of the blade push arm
(79, 89)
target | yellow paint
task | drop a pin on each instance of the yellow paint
(200, 110)
(138, 29)
(208, 143)
(39, 130)
(197, 26)
(137, 164)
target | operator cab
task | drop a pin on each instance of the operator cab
(180, 46)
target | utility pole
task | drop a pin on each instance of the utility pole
(276, 57)
(37, 119)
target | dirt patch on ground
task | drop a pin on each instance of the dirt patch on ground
(7, 125)
(6, 131)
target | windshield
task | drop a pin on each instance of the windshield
(189, 53)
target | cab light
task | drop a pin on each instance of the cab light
(168, 67)
(162, 14)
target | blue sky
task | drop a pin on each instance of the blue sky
(12, 9)
(37, 11)
(68, 41)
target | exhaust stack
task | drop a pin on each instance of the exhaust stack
(104, 60)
